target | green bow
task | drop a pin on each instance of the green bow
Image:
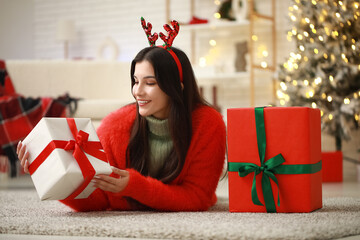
(269, 168)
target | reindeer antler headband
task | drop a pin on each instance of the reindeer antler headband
(168, 40)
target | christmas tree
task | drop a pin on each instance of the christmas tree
(324, 70)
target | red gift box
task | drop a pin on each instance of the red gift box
(293, 132)
(332, 166)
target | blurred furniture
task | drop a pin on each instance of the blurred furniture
(103, 86)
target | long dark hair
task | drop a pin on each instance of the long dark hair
(182, 103)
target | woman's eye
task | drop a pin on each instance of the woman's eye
(151, 83)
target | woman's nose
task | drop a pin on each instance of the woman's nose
(138, 89)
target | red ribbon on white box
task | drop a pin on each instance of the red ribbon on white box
(79, 146)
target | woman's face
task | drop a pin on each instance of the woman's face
(147, 93)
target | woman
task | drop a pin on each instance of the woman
(167, 149)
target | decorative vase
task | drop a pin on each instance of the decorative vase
(240, 9)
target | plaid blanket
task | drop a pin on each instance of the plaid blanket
(19, 115)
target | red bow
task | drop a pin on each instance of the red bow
(79, 146)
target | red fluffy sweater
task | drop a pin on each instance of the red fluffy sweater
(194, 188)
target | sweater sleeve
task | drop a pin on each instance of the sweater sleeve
(195, 191)
(97, 201)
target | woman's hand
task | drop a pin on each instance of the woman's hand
(112, 184)
(23, 156)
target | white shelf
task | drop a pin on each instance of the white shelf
(215, 25)
(220, 76)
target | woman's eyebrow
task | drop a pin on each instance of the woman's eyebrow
(146, 77)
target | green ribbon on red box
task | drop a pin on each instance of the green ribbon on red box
(269, 168)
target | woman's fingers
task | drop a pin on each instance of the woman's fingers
(21, 152)
(104, 185)
(23, 156)
(122, 173)
(26, 165)
(112, 184)
(18, 147)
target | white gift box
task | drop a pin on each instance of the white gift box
(59, 175)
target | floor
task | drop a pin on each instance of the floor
(344, 189)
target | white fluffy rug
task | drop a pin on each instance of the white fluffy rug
(22, 212)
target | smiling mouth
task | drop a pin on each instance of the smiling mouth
(142, 103)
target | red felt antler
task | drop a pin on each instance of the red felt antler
(147, 28)
(172, 33)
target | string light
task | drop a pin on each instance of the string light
(263, 64)
(310, 94)
(329, 98)
(217, 15)
(283, 86)
(321, 112)
(356, 117)
(306, 82)
(302, 48)
(321, 38)
(202, 62)
(337, 15)
(353, 47)
(313, 105)
(317, 80)
(254, 38)
(294, 82)
(331, 78)
(323, 95)
(217, 2)
(306, 34)
(327, 31)
(346, 101)
(212, 43)
(330, 116)
(280, 94)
